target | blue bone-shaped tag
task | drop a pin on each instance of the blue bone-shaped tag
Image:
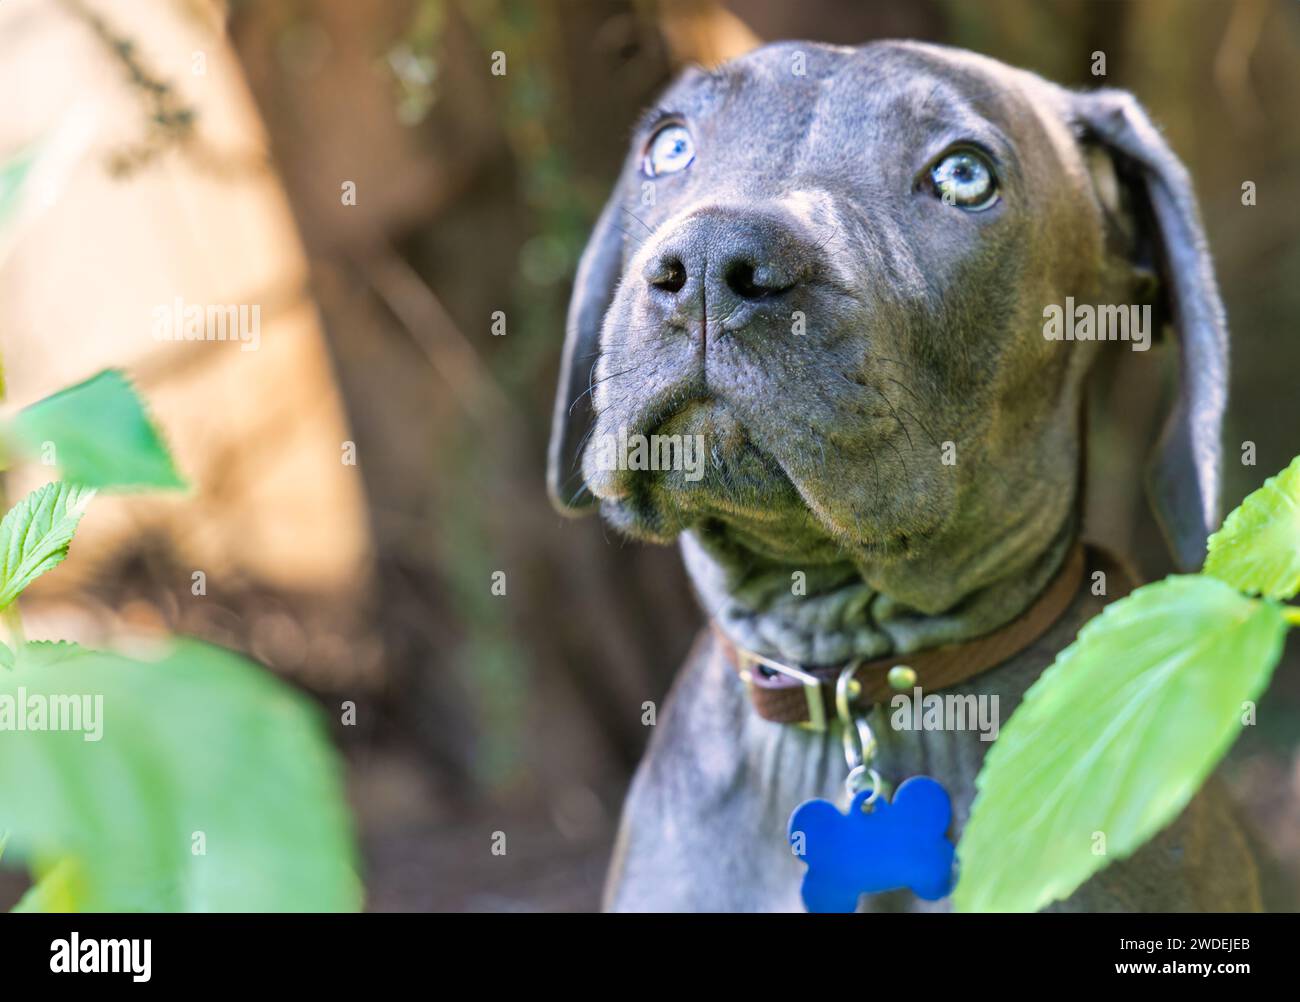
(898, 844)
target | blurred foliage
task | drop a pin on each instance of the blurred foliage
(99, 435)
(414, 61)
(210, 786)
(117, 773)
(496, 662)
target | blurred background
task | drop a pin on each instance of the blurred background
(358, 172)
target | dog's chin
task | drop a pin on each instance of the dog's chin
(737, 490)
(743, 492)
(784, 532)
(723, 476)
(766, 515)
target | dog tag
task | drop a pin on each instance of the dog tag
(883, 846)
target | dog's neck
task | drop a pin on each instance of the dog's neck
(826, 614)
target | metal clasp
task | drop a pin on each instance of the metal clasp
(812, 687)
(859, 741)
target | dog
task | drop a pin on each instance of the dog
(829, 268)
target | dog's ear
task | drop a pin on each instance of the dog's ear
(1183, 473)
(593, 290)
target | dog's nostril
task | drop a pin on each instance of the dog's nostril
(740, 280)
(670, 276)
(745, 282)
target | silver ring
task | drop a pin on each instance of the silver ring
(859, 743)
(853, 783)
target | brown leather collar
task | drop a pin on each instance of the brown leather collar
(786, 694)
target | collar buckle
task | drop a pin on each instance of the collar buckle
(812, 685)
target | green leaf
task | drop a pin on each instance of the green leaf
(1115, 737)
(35, 534)
(1258, 548)
(101, 433)
(211, 787)
(59, 889)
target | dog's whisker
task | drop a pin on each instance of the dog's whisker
(638, 241)
(902, 462)
(930, 435)
(647, 226)
(888, 403)
(924, 427)
(612, 375)
(587, 436)
(818, 248)
(592, 383)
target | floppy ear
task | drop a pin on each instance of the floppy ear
(593, 289)
(1183, 473)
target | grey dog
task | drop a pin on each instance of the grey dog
(830, 266)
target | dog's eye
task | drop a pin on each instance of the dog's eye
(965, 179)
(670, 149)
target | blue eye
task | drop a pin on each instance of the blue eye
(965, 179)
(670, 149)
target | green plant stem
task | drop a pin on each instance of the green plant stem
(14, 624)
(13, 619)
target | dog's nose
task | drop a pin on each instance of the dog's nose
(722, 257)
(743, 273)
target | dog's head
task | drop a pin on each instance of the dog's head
(830, 267)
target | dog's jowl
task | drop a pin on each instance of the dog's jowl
(836, 297)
